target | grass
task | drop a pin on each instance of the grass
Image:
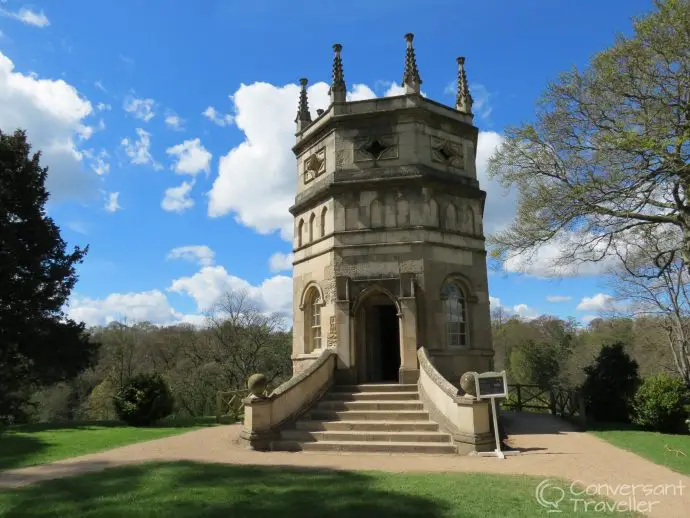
(653, 446)
(28, 445)
(185, 490)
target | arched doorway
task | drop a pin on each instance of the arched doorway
(377, 335)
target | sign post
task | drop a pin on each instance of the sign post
(492, 385)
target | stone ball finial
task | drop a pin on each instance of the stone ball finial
(409, 37)
(257, 384)
(467, 384)
(337, 47)
(304, 81)
(461, 60)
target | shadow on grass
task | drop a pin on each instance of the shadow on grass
(187, 489)
(15, 448)
(191, 422)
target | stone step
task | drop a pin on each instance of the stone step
(368, 415)
(369, 405)
(366, 447)
(368, 426)
(368, 396)
(359, 436)
(376, 387)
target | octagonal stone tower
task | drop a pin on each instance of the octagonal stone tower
(389, 248)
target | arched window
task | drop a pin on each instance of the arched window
(323, 221)
(312, 335)
(312, 218)
(455, 315)
(300, 232)
(451, 217)
(376, 214)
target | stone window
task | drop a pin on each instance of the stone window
(311, 227)
(455, 315)
(313, 321)
(300, 232)
(323, 221)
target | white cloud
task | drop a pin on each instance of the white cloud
(147, 306)
(139, 151)
(599, 302)
(99, 85)
(280, 262)
(546, 261)
(98, 162)
(256, 179)
(174, 121)
(522, 311)
(558, 298)
(482, 101)
(208, 285)
(191, 157)
(176, 199)
(588, 318)
(500, 203)
(140, 108)
(201, 254)
(111, 204)
(360, 92)
(216, 117)
(103, 107)
(52, 112)
(27, 16)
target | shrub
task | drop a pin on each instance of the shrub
(610, 385)
(659, 404)
(145, 399)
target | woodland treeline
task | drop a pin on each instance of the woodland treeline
(550, 351)
(239, 341)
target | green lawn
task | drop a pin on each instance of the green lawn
(185, 489)
(29, 445)
(650, 445)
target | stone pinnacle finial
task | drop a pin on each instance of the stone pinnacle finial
(303, 116)
(463, 102)
(337, 91)
(411, 80)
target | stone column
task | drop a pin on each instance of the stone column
(409, 369)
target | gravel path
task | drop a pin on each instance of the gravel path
(549, 449)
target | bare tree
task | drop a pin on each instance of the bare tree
(660, 293)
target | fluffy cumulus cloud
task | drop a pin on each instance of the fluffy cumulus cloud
(547, 260)
(209, 284)
(54, 116)
(216, 117)
(201, 254)
(139, 151)
(177, 199)
(256, 179)
(112, 202)
(597, 303)
(191, 157)
(280, 262)
(522, 311)
(141, 109)
(148, 306)
(558, 298)
(27, 16)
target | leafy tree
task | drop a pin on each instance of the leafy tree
(535, 364)
(610, 385)
(143, 400)
(608, 158)
(38, 344)
(659, 404)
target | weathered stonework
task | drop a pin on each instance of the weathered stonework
(388, 212)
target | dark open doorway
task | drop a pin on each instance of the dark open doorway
(388, 342)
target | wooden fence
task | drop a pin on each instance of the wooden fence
(566, 403)
(230, 405)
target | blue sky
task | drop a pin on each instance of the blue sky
(168, 125)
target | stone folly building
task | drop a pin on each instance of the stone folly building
(391, 307)
(388, 247)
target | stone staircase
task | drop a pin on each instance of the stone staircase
(374, 418)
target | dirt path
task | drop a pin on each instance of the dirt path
(550, 449)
